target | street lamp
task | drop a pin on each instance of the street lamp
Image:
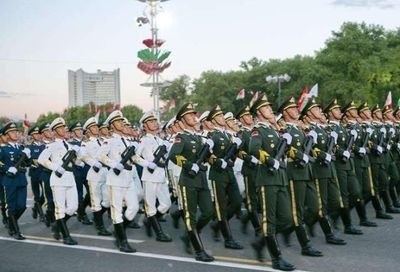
(278, 79)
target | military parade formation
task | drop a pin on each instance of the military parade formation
(280, 172)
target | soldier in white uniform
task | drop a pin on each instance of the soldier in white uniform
(121, 186)
(96, 175)
(62, 179)
(154, 179)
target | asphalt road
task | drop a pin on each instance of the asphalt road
(377, 250)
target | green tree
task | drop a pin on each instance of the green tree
(132, 113)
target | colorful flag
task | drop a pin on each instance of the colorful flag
(313, 93)
(254, 98)
(240, 94)
(302, 97)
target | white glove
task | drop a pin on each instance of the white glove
(254, 160)
(287, 137)
(354, 133)
(346, 154)
(314, 135)
(12, 170)
(334, 135)
(166, 144)
(392, 131)
(195, 168)
(305, 158)
(224, 164)
(210, 143)
(60, 170)
(80, 163)
(27, 152)
(152, 165)
(388, 147)
(369, 131)
(276, 164)
(97, 164)
(328, 158)
(362, 151)
(135, 144)
(398, 146)
(119, 166)
(380, 149)
(383, 130)
(76, 148)
(237, 141)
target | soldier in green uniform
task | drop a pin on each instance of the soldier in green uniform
(392, 153)
(227, 199)
(324, 173)
(302, 188)
(271, 182)
(249, 171)
(370, 189)
(396, 115)
(361, 162)
(193, 181)
(379, 159)
(344, 164)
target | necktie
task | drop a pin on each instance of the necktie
(98, 141)
(123, 140)
(65, 145)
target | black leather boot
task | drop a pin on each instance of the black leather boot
(330, 237)
(277, 261)
(99, 224)
(380, 214)
(215, 231)
(186, 243)
(388, 204)
(348, 227)
(67, 239)
(160, 235)
(362, 214)
(176, 218)
(16, 232)
(394, 197)
(122, 241)
(306, 248)
(201, 254)
(82, 216)
(4, 215)
(39, 210)
(258, 246)
(227, 234)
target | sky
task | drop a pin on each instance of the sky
(40, 40)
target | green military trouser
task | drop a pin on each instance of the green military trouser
(191, 198)
(380, 177)
(349, 187)
(365, 180)
(393, 172)
(303, 194)
(252, 203)
(328, 198)
(275, 209)
(227, 198)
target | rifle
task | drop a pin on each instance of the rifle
(158, 155)
(18, 164)
(279, 153)
(308, 144)
(126, 156)
(349, 144)
(68, 158)
(232, 150)
(202, 157)
(365, 141)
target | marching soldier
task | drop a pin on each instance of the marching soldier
(116, 153)
(299, 172)
(324, 173)
(344, 165)
(193, 185)
(227, 198)
(80, 173)
(154, 179)
(59, 157)
(35, 172)
(379, 158)
(96, 175)
(3, 142)
(370, 189)
(14, 160)
(361, 162)
(271, 182)
(249, 171)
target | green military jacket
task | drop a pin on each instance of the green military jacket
(184, 153)
(222, 143)
(375, 157)
(295, 171)
(244, 134)
(321, 168)
(360, 159)
(263, 145)
(341, 143)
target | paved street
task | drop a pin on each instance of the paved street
(377, 250)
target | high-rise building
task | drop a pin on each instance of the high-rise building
(100, 88)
